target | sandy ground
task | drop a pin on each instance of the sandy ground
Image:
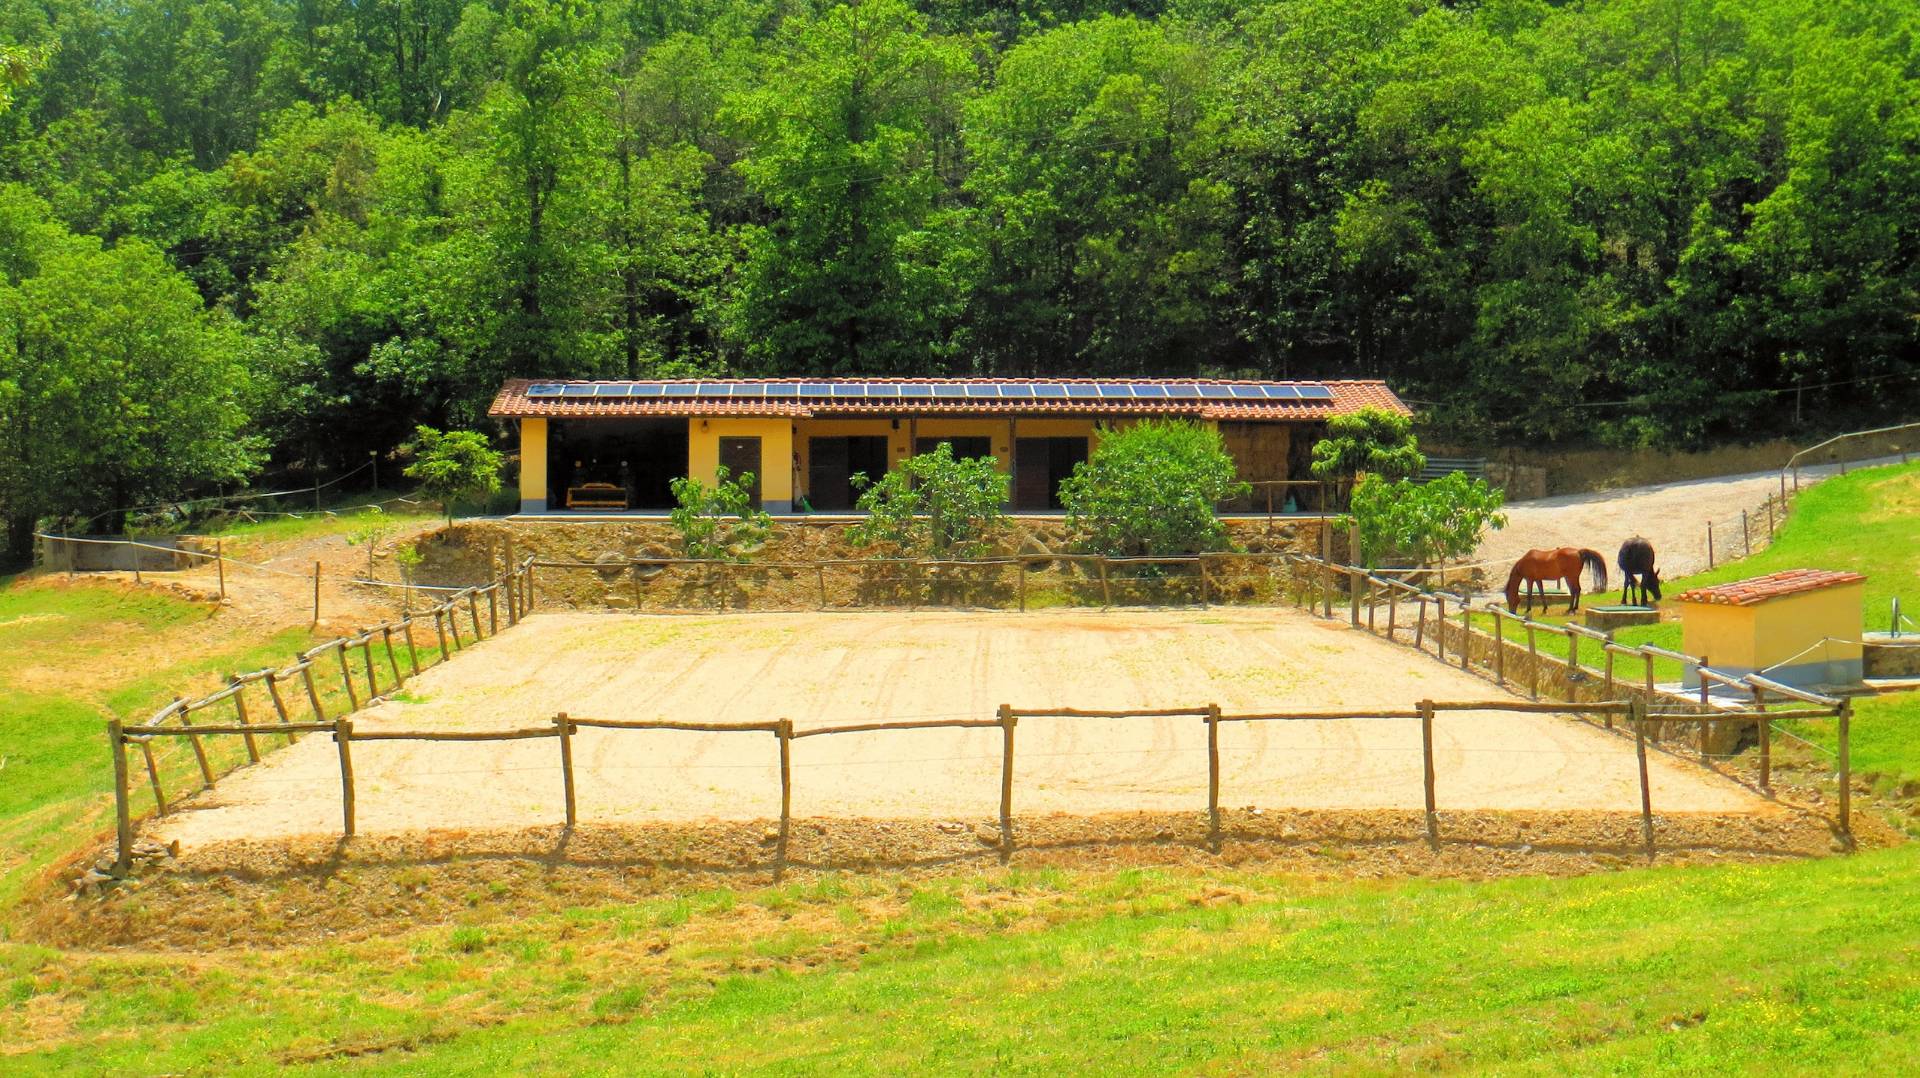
(838, 668)
(1673, 515)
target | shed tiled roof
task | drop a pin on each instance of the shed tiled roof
(1348, 396)
(1772, 586)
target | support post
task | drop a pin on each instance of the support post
(1353, 596)
(343, 739)
(1020, 583)
(122, 811)
(1213, 777)
(153, 778)
(1769, 516)
(346, 677)
(1766, 738)
(785, 733)
(1440, 627)
(1420, 624)
(1393, 610)
(1205, 586)
(1573, 658)
(413, 654)
(1007, 722)
(1426, 755)
(1846, 773)
(279, 704)
(316, 593)
(1746, 532)
(1533, 662)
(565, 727)
(1466, 636)
(453, 623)
(240, 713)
(393, 661)
(1637, 714)
(440, 630)
(1106, 590)
(313, 692)
(1499, 645)
(493, 612)
(199, 750)
(820, 578)
(366, 655)
(1326, 563)
(1709, 544)
(1607, 661)
(220, 566)
(473, 608)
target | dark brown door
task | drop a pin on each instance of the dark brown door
(833, 462)
(1041, 465)
(740, 456)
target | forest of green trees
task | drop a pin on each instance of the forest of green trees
(245, 234)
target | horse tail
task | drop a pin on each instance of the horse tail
(1593, 561)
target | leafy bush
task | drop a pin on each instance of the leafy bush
(456, 464)
(934, 503)
(1424, 522)
(719, 523)
(1151, 489)
(1370, 441)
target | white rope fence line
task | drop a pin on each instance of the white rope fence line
(186, 552)
(223, 498)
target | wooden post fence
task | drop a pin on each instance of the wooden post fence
(153, 778)
(240, 714)
(279, 703)
(393, 661)
(1765, 729)
(199, 750)
(346, 677)
(440, 631)
(1533, 662)
(220, 566)
(1846, 772)
(784, 731)
(1106, 590)
(343, 739)
(1466, 636)
(316, 593)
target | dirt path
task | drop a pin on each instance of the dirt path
(1673, 515)
(837, 668)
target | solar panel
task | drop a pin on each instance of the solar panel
(648, 389)
(1215, 393)
(543, 389)
(1112, 390)
(883, 389)
(1246, 392)
(815, 389)
(1315, 393)
(1081, 390)
(1024, 392)
(916, 389)
(1149, 389)
(949, 391)
(680, 389)
(975, 389)
(749, 389)
(1281, 393)
(577, 391)
(1050, 390)
(983, 391)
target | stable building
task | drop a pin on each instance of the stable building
(609, 447)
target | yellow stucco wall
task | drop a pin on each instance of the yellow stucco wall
(776, 451)
(533, 464)
(1778, 630)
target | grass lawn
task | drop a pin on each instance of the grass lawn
(356, 518)
(72, 657)
(1799, 967)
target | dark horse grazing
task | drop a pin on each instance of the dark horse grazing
(1536, 567)
(1636, 564)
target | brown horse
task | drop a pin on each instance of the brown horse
(1536, 567)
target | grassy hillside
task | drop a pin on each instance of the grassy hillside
(1799, 967)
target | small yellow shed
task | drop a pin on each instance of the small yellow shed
(1798, 626)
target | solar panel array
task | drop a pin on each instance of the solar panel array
(935, 391)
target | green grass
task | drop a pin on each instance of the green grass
(1801, 968)
(73, 657)
(348, 518)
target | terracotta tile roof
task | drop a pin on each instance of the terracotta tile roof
(1772, 586)
(1347, 396)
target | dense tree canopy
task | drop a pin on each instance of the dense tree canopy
(1638, 222)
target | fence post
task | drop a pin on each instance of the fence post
(1846, 773)
(313, 693)
(343, 738)
(413, 656)
(1353, 595)
(440, 630)
(220, 566)
(1466, 635)
(785, 733)
(199, 751)
(1007, 723)
(346, 676)
(1106, 590)
(473, 608)
(1440, 627)
(1205, 586)
(1533, 662)
(1426, 754)
(820, 578)
(1769, 516)
(1637, 714)
(1709, 544)
(1213, 777)
(1393, 607)
(1606, 652)
(1326, 565)
(279, 705)
(153, 777)
(240, 712)
(316, 593)
(1746, 532)
(1573, 656)
(565, 727)
(1420, 624)
(366, 654)
(122, 812)
(1499, 646)
(393, 661)
(1020, 575)
(1766, 738)
(493, 611)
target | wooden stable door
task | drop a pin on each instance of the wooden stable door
(833, 462)
(1040, 464)
(740, 456)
